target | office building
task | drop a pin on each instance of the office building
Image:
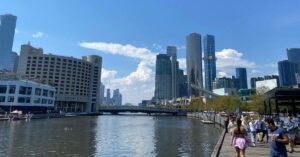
(209, 61)
(26, 96)
(102, 90)
(172, 52)
(117, 98)
(194, 63)
(77, 81)
(163, 78)
(7, 33)
(182, 84)
(293, 55)
(14, 62)
(287, 73)
(241, 75)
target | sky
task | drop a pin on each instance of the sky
(129, 33)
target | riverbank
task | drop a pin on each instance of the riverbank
(216, 120)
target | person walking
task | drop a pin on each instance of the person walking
(278, 139)
(253, 127)
(291, 132)
(231, 126)
(239, 139)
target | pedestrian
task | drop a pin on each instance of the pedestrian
(291, 132)
(253, 127)
(278, 139)
(239, 139)
(231, 126)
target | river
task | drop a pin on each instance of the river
(108, 136)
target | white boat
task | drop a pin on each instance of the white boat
(207, 122)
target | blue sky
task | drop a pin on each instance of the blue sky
(128, 34)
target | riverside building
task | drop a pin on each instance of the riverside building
(26, 96)
(77, 81)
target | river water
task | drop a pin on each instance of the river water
(108, 136)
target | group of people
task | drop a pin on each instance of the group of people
(246, 131)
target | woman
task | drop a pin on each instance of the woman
(239, 139)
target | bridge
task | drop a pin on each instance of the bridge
(139, 109)
(207, 94)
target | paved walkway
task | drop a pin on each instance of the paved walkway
(261, 149)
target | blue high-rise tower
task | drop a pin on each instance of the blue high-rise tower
(209, 61)
(287, 73)
(241, 75)
(7, 32)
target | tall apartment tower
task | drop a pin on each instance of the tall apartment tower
(241, 75)
(172, 52)
(194, 63)
(77, 81)
(7, 33)
(287, 73)
(14, 62)
(209, 61)
(163, 78)
(102, 90)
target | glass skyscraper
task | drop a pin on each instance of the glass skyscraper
(287, 73)
(209, 61)
(194, 63)
(163, 78)
(7, 32)
(172, 52)
(241, 75)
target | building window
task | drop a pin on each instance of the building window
(2, 98)
(50, 101)
(3, 88)
(22, 90)
(21, 100)
(38, 91)
(37, 100)
(51, 93)
(10, 99)
(45, 92)
(28, 91)
(44, 101)
(27, 100)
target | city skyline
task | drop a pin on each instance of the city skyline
(103, 33)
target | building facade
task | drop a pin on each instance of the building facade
(77, 81)
(163, 78)
(209, 61)
(14, 62)
(117, 98)
(27, 96)
(241, 75)
(194, 63)
(287, 73)
(172, 52)
(7, 33)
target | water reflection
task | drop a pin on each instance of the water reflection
(109, 136)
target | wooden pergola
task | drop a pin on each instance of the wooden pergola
(282, 97)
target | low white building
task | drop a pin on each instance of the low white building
(26, 96)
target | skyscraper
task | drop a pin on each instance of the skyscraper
(7, 32)
(102, 90)
(163, 78)
(241, 75)
(209, 61)
(293, 55)
(287, 73)
(194, 63)
(172, 52)
(14, 62)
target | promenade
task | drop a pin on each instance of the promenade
(261, 149)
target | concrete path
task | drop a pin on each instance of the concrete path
(261, 149)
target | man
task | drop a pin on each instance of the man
(291, 132)
(278, 139)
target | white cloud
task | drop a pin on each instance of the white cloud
(38, 35)
(229, 59)
(271, 65)
(182, 63)
(222, 74)
(139, 84)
